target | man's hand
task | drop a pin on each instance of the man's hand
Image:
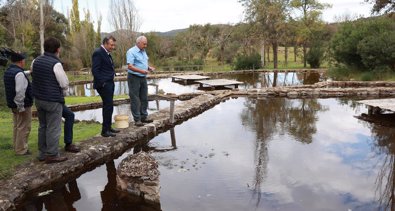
(151, 69)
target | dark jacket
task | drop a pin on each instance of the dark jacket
(102, 68)
(45, 85)
(9, 85)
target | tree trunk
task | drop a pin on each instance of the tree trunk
(295, 52)
(263, 53)
(304, 56)
(268, 53)
(41, 27)
(275, 55)
(286, 56)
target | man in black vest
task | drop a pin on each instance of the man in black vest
(19, 97)
(50, 83)
(103, 81)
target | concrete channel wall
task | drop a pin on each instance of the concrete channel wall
(35, 177)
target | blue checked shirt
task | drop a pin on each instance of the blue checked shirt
(137, 58)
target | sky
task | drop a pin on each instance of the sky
(162, 16)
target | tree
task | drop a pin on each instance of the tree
(382, 5)
(124, 17)
(98, 32)
(365, 44)
(75, 17)
(270, 16)
(308, 21)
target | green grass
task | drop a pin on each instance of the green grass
(8, 159)
(72, 100)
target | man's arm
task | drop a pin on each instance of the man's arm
(61, 77)
(135, 69)
(96, 64)
(20, 89)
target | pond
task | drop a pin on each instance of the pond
(124, 109)
(259, 154)
(250, 80)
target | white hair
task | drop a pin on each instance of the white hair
(140, 38)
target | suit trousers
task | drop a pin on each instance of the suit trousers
(50, 121)
(22, 125)
(106, 93)
(68, 116)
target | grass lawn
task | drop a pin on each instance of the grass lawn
(72, 100)
(8, 159)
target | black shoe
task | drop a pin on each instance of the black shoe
(114, 130)
(139, 124)
(147, 120)
(107, 134)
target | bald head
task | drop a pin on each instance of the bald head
(141, 42)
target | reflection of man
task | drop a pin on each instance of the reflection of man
(60, 200)
(103, 81)
(108, 195)
(19, 97)
(138, 68)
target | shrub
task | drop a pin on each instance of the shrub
(245, 62)
(315, 55)
(365, 44)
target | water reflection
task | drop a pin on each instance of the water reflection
(266, 154)
(274, 79)
(383, 133)
(96, 114)
(250, 80)
(61, 199)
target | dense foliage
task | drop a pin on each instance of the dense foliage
(248, 62)
(365, 44)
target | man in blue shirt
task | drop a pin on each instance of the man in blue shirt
(138, 68)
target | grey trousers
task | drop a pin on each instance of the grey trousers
(138, 93)
(50, 120)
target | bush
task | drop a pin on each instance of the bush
(315, 56)
(248, 62)
(365, 44)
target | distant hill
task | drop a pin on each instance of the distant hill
(171, 33)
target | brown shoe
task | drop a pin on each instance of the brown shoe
(72, 148)
(139, 124)
(55, 159)
(26, 153)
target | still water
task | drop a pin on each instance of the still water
(261, 154)
(250, 80)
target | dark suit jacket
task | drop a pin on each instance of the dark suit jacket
(102, 68)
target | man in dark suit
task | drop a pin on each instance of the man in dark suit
(103, 81)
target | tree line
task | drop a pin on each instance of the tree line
(365, 44)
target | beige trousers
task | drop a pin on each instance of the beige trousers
(22, 126)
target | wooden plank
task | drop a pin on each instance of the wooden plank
(219, 82)
(190, 77)
(388, 104)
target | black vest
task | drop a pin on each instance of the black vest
(9, 85)
(45, 85)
